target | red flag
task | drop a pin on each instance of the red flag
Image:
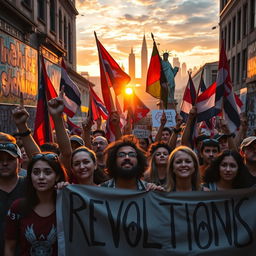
(73, 128)
(43, 123)
(111, 73)
(138, 108)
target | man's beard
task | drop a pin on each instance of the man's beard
(126, 173)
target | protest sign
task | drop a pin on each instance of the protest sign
(170, 116)
(104, 221)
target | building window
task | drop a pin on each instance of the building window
(233, 69)
(244, 64)
(214, 76)
(69, 43)
(65, 33)
(52, 16)
(245, 10)
(252, 15)
(239, 26)
(60, 25)
(234, 31)
(225, 37)
(238, 68)
(229, 34)
(41, 10)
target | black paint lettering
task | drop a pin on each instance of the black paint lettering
(133, 226)
(226, 225)
(92, 220)
(238, 216)
(115, 228)
(146, 244)
(172, 223)
(189, 236)
(74, 212)
(202, 227)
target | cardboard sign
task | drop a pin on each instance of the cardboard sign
(170, 116)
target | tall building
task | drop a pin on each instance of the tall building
(30, 30)
(132, 66)
(184, 70)
(144, 61)
(176, 63)
(238, 31)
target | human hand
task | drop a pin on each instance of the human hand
(163, 119)
(56, 105)
(61, 185)
(114, 118)
(20, 114)
(152, 186)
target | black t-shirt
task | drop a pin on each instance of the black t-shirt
(249, 179)
(6, 199)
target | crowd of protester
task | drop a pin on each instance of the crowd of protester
(30, 175)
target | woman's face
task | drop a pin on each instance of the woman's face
(228, 168)
(183, 165)
(43, 176)
(161, 156)
(83, 165)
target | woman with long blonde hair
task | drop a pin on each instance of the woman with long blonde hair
(183, 170)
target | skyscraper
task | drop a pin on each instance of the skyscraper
(144, 61)
(132, 65)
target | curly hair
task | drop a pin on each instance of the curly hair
(212, 173)
(110, 154)
(171, 176)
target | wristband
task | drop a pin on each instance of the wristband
(25, 134)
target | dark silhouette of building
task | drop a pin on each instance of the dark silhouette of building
(144, 61)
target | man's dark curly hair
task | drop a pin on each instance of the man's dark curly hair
(110, 154)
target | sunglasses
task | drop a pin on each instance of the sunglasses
(129, 154)
(47, 156)
(9, 146)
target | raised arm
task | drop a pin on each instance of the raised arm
(241, 134)
(160, 130)
(20, 117)
(185, 139)
(115, 123)
(86, 134)
(176, 131)
(56, 107)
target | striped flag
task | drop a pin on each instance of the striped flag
(72, 94)
(156, 84)
(225, 101)
(189, 98)
(97, 107)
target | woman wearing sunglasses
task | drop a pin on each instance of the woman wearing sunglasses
(226, 172)
(183, 170)
(31, 221)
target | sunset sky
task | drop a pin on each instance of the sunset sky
(183, 27)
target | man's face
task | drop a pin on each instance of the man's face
(250, 153)
(126, 162)
(98, 145)
(223, 142)
(8, 165)
(209, 153)
(165, 136)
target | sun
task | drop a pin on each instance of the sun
(129, 91)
